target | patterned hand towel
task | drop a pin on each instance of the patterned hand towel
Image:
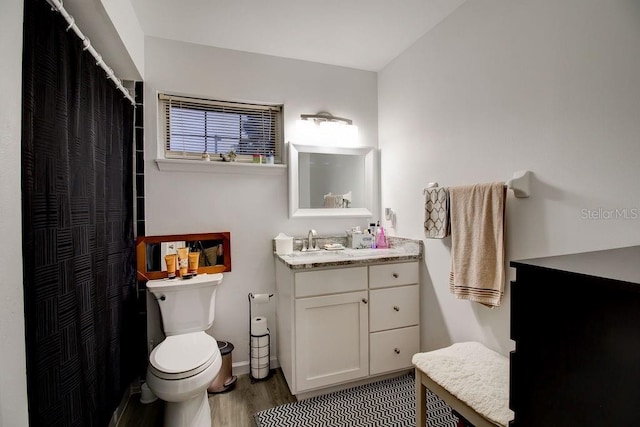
(477, 242)
(436, 213)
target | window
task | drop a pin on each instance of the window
(193, 127)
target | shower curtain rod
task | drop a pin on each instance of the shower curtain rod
(57, 5)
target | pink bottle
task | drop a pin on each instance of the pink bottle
(381, 242)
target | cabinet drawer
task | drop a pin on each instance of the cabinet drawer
(392, 350)
(381, 276)
(394, 307)
(323, 282)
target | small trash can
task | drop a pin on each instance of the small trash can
(225, 379)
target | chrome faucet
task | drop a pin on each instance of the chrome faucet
(310, 245)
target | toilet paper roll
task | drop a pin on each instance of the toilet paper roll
(260, 373)
(260, 346)
(259, 325)
(260, 341)
(260, 362)
(261, 298)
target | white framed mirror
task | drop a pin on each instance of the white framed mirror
(331, 181)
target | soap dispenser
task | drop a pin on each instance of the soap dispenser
(381, 242)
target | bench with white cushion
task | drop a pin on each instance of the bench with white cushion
(470, 378)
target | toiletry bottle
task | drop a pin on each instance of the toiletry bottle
(374, 235)
(382, 239)
(270, 158)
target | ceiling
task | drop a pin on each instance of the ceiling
(362, 34)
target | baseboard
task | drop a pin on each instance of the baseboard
(242, 368)
(129, 391)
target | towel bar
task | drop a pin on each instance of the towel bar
(520, 183)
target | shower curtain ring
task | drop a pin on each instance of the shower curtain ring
(54, 5)
(86, 43)
(100, 61)
(71, 24)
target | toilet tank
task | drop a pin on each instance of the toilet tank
(186, 305)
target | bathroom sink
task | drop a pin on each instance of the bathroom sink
(406, 249)
(372, 253)
(346, 253)
(312, 254)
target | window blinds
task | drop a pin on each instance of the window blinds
(196, 126)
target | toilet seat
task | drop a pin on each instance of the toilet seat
(183, 356)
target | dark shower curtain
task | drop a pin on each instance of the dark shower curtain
(78, 243)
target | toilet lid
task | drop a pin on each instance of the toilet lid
(184, 352)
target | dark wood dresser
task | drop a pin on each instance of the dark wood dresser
(575, 320)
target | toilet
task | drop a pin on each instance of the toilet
(185, 363)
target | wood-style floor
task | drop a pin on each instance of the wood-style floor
(234, 408)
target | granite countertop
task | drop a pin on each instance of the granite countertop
(400, 249)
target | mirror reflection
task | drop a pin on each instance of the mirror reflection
(214, 251)
(327, 181)
(330, 180)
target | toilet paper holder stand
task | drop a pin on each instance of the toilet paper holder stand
(253, 359)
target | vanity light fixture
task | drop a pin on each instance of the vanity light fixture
(324, 116)
(324, 128)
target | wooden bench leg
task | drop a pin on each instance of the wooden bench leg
(467, 416)
(421, 401)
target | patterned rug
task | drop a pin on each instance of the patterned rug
(389, 402)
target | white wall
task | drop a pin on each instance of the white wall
(125, 20)
(502, 86)
(114, 33)
(13, 380)
(254, 208)
(337, 174)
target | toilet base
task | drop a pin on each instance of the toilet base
(193, 412)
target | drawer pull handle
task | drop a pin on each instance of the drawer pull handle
(396, 308)
(364, 300)
(396, 350)
(395, 275)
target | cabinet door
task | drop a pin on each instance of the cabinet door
(331, 339)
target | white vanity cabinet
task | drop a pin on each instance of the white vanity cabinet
(341, 324)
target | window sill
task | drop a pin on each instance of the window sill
(179, 165)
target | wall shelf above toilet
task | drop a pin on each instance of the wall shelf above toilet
(148, 249)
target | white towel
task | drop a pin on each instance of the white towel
(477, 242)
(436, 213)
(333, 201)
